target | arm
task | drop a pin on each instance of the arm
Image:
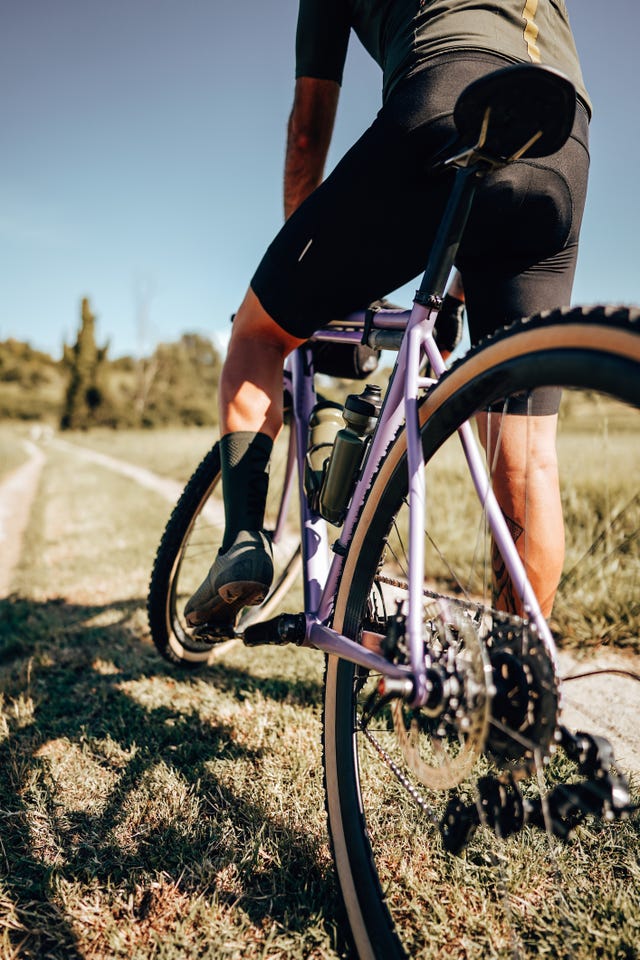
(308, 138)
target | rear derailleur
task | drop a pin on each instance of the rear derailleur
(502, 807)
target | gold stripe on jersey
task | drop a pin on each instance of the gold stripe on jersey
(531, 30)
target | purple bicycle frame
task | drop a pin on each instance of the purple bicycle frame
(321, 570)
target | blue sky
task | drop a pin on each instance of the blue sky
(142, 154)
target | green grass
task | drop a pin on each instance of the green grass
(599, 597)
(539, 897)
(141, 805)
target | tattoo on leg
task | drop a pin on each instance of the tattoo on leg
(504, 597)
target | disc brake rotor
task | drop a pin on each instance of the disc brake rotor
(441, 747)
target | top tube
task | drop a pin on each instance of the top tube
(386, 329)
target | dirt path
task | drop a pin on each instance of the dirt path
(17, 493)
(608, 702)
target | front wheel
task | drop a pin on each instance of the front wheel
(393, 774)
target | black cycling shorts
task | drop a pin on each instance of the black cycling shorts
(369, 227)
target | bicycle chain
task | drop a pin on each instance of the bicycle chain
(466, 605)
(397, 772)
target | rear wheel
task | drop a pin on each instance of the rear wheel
(392, 774)
(189, 545)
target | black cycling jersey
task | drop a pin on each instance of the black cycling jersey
(401, 35)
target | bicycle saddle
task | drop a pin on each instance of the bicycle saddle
(524, 104)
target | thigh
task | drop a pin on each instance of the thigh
(352, 240)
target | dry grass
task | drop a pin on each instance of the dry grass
(598, 602)
(151, 813)
(171, 453)
(146, 812)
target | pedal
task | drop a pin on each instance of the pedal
(214, 633)
(285, 628)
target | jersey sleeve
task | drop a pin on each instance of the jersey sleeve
(322, 37)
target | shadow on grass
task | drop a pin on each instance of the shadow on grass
(64, 670)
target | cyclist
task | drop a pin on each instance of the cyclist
(367, 229)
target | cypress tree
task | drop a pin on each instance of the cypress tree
(85, 361)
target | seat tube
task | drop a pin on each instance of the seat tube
(418, 333)
(415, 464)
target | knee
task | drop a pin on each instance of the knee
(254, 329)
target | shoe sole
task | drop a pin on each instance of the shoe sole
(198, 619)
(249, 593)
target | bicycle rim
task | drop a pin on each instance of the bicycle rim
(528, 895)
(189, 545)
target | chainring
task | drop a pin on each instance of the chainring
(526, 704)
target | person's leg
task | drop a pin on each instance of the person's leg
(518, 258)
(250, 397)
(521, 453)
(331, 257)
(327, 260)
(250, 401)
(250, 392)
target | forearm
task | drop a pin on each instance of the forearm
(308, 138)
(302, 172)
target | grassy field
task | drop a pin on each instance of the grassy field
(149, 812)
(170, 453)
(598, 602)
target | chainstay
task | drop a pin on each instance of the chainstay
(470, 607)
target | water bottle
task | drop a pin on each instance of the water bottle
(360, 415)
(324, 423)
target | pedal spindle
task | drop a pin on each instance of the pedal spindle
(285, 628)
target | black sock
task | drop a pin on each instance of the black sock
(244, 460)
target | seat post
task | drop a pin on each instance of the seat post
(447, 240)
